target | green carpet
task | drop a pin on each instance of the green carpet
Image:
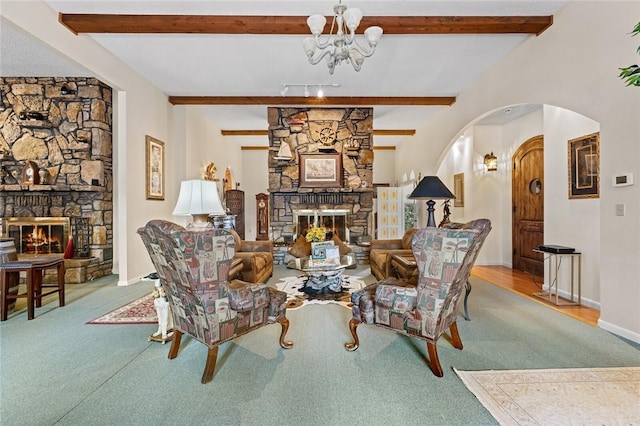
(56, 369)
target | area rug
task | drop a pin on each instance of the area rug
(580, 396)
(296, 298)
(140, 311)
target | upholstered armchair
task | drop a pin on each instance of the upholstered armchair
(382, 250)
(193, 267)
(257, 259)
(426, 310)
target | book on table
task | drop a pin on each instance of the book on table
(324, 253)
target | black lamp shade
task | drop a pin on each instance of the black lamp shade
(431, 188)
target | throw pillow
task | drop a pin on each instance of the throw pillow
(301, 248)
(342, 247)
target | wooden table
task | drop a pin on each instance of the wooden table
(404, 266)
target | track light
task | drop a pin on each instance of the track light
(306, 92)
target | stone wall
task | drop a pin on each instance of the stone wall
(64, 127)
(346, 131)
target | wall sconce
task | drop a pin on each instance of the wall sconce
(491, 162)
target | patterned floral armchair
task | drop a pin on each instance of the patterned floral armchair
(444, 258)
(193, 266)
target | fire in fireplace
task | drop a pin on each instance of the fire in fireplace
(334, 222)
(37, 235)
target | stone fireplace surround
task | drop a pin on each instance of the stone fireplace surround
(347, 131)
(63, 125)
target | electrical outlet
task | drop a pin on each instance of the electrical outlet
(619, 209)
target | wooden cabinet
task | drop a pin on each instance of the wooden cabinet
(262, 217)
(234, 199)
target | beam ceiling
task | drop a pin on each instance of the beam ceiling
(381, 132)
(324, 101)
(296, 25)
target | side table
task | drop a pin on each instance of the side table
(555, 261)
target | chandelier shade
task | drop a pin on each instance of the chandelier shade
(343, 45)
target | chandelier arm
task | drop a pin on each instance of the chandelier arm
(366, 52)
(317, 59)
(356, 66)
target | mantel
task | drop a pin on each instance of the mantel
(50, 188)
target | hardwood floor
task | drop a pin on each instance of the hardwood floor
(526, 284)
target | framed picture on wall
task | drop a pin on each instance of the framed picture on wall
(584, 166)
(458, 190)
(320, 170)
(154, 169)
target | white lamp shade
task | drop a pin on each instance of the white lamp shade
(352, 17)
(309, 45)
(316, 24)
(198, 197)
(373, 35)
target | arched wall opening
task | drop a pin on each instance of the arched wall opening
(568, 222)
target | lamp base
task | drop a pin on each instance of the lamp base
(431, 218)
(200, 223)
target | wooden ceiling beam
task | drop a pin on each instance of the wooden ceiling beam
(296, 25)
(382, 132)
(325, 101)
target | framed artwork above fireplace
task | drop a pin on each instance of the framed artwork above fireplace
(320, 170)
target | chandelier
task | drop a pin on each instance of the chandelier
(342, 46)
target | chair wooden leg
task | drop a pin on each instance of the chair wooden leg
(434, 361)
(353, 325)
(175, 344)
(455, 337)
(210, 366)
(284, 322)
(36, 277)
(30, 294)
(61, 284)
(4, 292)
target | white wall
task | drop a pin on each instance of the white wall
(575, 69)
(575, 222)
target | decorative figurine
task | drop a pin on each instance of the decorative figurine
(447, 212)
(165, 320)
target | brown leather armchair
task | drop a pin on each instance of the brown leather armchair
(257, 259)
(382, 250)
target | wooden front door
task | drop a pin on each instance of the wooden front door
(528, 205)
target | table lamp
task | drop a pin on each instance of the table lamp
(199, 198)
(431, 188)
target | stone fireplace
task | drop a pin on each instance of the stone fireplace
(307, 131)
(56, 167)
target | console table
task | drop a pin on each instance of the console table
(555, 261)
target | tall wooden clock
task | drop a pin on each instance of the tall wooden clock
(262, 217)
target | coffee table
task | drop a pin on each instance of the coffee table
(322, 278)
